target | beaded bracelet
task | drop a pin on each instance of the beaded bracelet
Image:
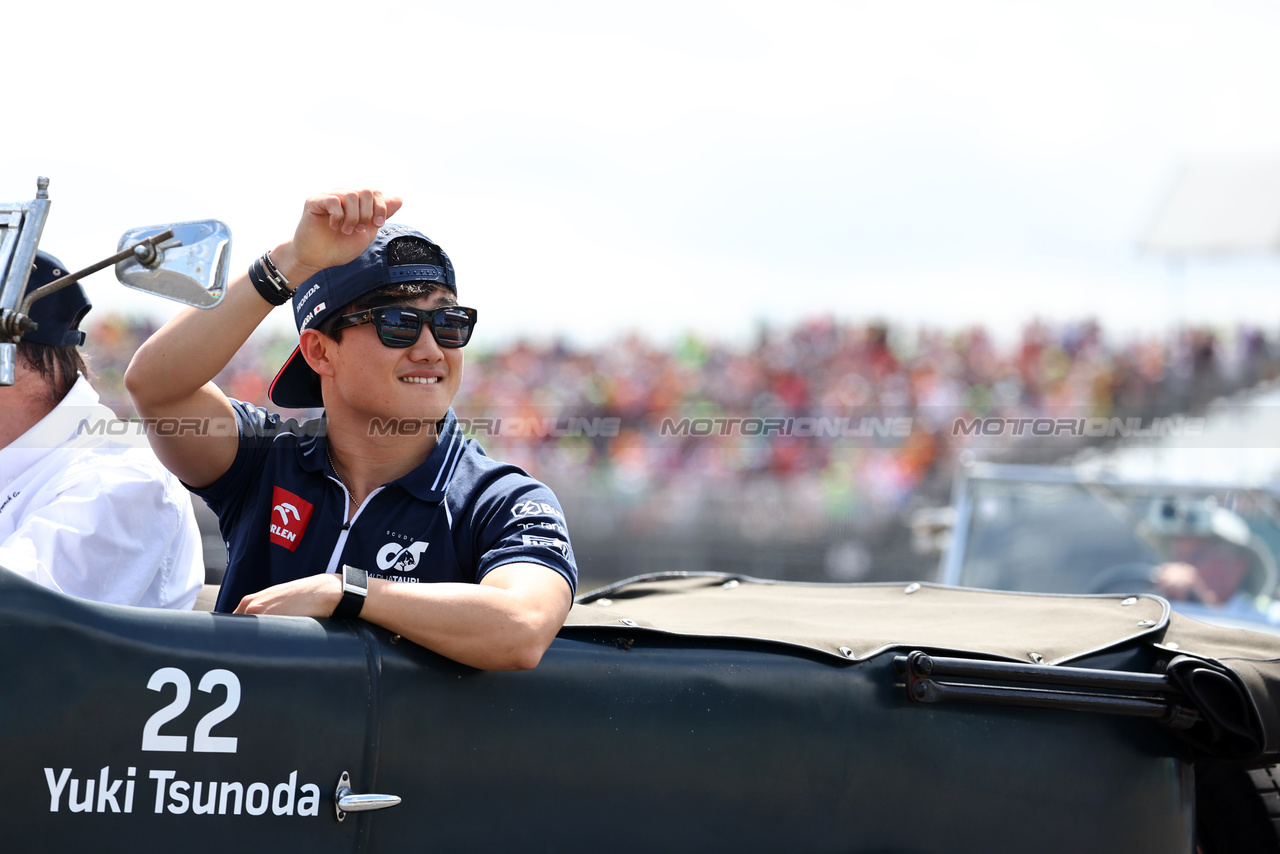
(271, 284)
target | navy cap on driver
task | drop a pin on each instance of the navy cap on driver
(58, 315)
(296, 386)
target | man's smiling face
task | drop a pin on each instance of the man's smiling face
(415, 382)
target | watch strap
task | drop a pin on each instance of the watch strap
(355, 587)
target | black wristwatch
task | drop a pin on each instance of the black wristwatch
(355, 587)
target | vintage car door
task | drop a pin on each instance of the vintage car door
(126, 729)
(630, 737)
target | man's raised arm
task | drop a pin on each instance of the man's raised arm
(171, 375)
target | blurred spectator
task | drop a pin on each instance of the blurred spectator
(701, 419)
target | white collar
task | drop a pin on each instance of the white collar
(52, 431)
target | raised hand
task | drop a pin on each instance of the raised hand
(335, 228)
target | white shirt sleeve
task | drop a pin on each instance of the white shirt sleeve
(116, 530)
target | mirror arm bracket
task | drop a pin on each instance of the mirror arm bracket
(145, 251)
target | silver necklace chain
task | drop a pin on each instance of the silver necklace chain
(351, 494)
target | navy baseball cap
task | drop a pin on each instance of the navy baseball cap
(296, 386)
(58, 314)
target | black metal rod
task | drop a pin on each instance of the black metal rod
(1014, 671)
(59, 284)
(932, 691)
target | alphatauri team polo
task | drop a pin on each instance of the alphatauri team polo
(284, 514)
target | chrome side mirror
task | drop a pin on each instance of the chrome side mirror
(185, 261)
(190, 267)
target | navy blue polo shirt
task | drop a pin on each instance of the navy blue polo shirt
(283, 513)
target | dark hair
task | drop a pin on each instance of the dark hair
(402, 250)
(57, 366)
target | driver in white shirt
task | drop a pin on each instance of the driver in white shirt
(85, 506)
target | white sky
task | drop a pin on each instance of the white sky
(593, 167)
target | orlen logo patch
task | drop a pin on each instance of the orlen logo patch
(289, 518)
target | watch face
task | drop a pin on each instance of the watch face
(355, 587)
(355, 581)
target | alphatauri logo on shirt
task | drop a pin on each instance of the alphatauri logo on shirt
(400, 558)
(289, 518)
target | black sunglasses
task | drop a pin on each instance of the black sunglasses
(398, 325)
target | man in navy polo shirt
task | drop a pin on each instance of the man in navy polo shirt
(381, 508)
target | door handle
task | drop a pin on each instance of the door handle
(345, 800)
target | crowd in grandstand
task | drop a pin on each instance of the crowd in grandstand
(822, 421)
